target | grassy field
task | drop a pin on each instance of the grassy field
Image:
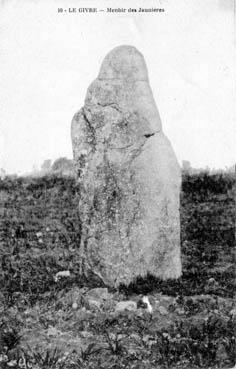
(50, 323)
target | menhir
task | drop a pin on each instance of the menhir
(128, 174)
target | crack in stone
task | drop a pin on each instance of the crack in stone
(147, 135)
(113, 105)
(91, 128)
(136, 151)
(120, 148)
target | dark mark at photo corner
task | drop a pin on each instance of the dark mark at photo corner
(110, 10)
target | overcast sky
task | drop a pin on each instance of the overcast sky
(48, 60)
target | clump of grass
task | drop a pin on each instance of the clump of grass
(48, 360)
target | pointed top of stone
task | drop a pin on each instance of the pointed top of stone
(124, 62)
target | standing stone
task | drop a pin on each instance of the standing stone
(129, 176)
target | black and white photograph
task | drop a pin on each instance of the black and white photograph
(117, 184)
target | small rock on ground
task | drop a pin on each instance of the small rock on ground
(126, 305)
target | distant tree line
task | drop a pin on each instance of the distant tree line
(62, 166)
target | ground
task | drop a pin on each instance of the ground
(75, 322)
